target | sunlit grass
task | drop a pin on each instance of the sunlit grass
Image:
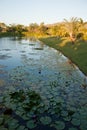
(76, 52)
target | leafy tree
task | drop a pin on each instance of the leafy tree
(83, 29)
(53, 30)
(3, 27)
(42, 29)
(16, 30)
(33, 27)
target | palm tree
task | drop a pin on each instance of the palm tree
(71, 28)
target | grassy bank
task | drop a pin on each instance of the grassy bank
(76, 52)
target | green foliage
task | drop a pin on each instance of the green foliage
(38, 114)
(45, 120)
(76, 28)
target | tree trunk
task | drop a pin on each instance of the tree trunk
(72, 38)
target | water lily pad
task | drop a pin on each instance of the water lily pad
(31, 124)
(45, 120)
(1, 100)
(1, 120)
(26, 129)
(13, 124)
(31, 44)
(76, 115)
(21, 127)
(64, 113)
(2, 128)
(83, 126)
(59, 125)
(38, 48)
(72, 128)
(75, 121)
(8, 119)
(68, 118)
(25, 117)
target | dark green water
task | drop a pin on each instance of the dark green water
(41, 88)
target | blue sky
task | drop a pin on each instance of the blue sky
(47, 11)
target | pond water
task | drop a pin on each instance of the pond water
(53, 89)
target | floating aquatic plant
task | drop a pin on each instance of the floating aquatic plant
(64, 113)
(45, 120)
(75, 122)
(1, 120)
(59, 125)
(31, 124)
(21, 127)
(13, 124)
(72, 128)
(41, 92)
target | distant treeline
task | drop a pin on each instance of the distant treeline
(74, 29)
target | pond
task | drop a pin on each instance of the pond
(40, 88)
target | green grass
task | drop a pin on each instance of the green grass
(76, 52)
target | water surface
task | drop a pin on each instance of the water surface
(26, 64)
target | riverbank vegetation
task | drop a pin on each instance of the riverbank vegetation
(76, 53)
(74, 29)
(69, 36)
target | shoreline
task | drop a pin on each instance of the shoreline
(73, 52)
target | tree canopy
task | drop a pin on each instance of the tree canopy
(75, 28)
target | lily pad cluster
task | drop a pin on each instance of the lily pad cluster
(42, 90)
(52, 104)
(26, 109)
